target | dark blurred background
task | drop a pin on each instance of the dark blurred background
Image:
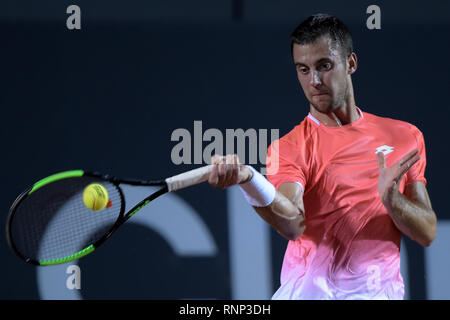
(108, 97)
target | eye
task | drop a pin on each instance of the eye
(302, 70)
(326, 66)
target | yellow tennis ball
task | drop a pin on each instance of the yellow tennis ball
(95, 196)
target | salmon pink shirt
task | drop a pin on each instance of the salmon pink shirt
(350, 248)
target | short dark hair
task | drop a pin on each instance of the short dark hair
(319, 25)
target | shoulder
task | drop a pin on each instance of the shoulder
(297, 145)
(399, 126)
(301, 135)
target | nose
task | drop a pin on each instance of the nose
(315, 79)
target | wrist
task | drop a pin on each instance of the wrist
(392, 200)
(257, 190)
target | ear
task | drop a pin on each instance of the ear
(352, 63)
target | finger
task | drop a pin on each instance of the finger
(221, 169)
(237, 159)
(229, 168)
(229, 159)
(381, 160)
(406, 167)
(394, 186)
(216, 159)
(407, 157)
(235, 175)
(213, 176)
(224, 172)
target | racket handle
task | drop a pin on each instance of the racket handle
(189, 178)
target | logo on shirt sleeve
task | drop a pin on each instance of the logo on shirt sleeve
(385, 149)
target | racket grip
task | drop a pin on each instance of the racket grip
(189, 178)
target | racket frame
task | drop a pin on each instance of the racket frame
(121, 219)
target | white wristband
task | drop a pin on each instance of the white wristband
(258, 192)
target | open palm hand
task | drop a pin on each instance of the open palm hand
(389, 178)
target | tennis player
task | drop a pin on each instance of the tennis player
(343, 185)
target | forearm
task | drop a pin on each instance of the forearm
(416, 221)
(283, 209)
(277, 213)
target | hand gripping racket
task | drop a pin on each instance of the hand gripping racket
(49, 224)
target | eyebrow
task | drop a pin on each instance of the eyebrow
(316, 63)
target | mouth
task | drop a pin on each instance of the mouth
(320, 94)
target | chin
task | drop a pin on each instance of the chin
(323, 107)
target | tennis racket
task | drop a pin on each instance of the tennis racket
(49, 224)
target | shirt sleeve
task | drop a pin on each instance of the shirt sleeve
(286, 162)
(417, 171)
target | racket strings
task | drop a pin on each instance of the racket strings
(53, 222)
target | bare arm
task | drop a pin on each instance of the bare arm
(411, 212)
(285, 213)
(289, 201)
(413, 215)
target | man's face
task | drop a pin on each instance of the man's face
(322, 73)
